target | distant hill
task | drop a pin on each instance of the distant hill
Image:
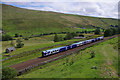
(24, 21)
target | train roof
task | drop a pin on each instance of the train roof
(55, 48)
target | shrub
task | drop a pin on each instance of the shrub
(56, 39)
(16, 35)
(8, 73)
(21, 35)
(6, 37)
(19, 43)
(108, 32)
(97, 31)
(92, 54)
(26, 38)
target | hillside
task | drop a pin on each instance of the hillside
(80, 65)
(24, 21)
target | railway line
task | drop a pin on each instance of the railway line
(24, 66)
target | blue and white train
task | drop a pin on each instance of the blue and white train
(74, 45)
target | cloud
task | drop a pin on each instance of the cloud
(60, 1)
(97, 9)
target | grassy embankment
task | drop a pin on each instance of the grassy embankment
(27, 22)
(24, 57)
(79, 65)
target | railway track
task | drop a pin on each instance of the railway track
(24, 66)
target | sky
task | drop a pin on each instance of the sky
(100, 8)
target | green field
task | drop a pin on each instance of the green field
(32, 22)
(35, 43)
(32, 44)
(78, 65)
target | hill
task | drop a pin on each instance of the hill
(24, 21)
(80, 65)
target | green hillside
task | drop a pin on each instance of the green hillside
(80, 65)
(24, 21)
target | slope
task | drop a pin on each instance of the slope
(24, 21)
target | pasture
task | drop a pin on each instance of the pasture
(27, 22)
(80, 65)
(33, 44)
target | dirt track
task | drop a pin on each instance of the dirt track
(24, 66)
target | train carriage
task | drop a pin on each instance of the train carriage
(64, 48)
(69, 47)
(74, 45)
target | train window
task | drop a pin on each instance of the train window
(57, 50)
(52, 52)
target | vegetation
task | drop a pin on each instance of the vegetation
(70, 35)
(26, 38)
(97, 31)
(8, 73)
(19, 43)
(78, 65)
(16, 35)
(111, 31)
(56, 38)
(32, 46)
(27, 22)
(92, 54)
(6, 37)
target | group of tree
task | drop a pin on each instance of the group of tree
(6, 37)
(8, 73)
(19, 43)
(70, 35)
(58, 38)
(67, 37)
(17, 35)
(97, 31)
(111, 31)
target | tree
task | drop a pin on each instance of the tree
(16, 35)
(8, 73)
(118, 30)
(108, 32)
(21, 35)
(68, 36)
(6, 37)
(12, 43)
(56, 38)
(19, 43)
(92, 54)
(97, 31)
(26, 38)
(114, 31)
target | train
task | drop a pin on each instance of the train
(74, 45)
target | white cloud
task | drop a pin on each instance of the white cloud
(97, 9)
(60, 1)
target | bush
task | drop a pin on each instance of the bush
(56, 39)
(19, 43)
(97, 31)
(8, 73)
(16, 35)
(6, 37)
(26, 38)
(108, 32)
(92, 54)
(21, 35)
(70, 35)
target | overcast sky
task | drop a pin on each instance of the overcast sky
(100, 8)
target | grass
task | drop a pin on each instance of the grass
(27, 22)
(34, 55)
(24, 57)
(106, 58)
